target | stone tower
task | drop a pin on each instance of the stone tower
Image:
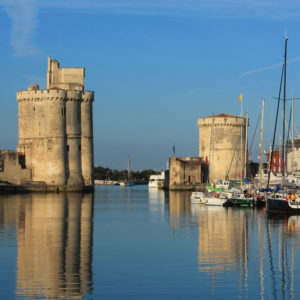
(222, 145)
(56, 128)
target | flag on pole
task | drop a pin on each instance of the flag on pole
(174, 149)
(240, 98)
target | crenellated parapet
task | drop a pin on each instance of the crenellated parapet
(41, 95)
(74, 96)
(222, 122)
(88, 96)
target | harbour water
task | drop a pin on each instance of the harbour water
(136, 243)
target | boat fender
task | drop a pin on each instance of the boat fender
(216, 195)
(287, 199)
(293, 197)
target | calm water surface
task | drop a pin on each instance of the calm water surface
(135, 243)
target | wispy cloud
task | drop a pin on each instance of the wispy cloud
(24, 13)
(270, 67)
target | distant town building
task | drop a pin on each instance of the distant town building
(276, 166)
(55, 133)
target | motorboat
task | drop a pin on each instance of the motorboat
(198, 197)
(157, 181)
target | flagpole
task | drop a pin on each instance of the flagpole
(241, 106)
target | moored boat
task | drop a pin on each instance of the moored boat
(242, 199)
(127, 183)
(198, 197)
(210, 199)
(284, 203)
(157, 181)
(214, 201)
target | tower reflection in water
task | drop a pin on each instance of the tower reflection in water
(54, 245)
(222, 232)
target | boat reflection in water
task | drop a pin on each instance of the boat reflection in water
(250, 251)
(54, 242)
(156, 201)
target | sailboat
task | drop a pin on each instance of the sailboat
(282, 201)
(128, 181)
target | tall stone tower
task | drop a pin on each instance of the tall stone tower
(222, 145)
(56, 128)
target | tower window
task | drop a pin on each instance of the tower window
(1, 165)
(79, 147)
(68, 148)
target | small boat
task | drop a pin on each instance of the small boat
(128, 181)
(157, 181)
(198, 197)
(242, 199)
(215, 199)
(210, 199)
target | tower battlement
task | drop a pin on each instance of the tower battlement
(35, 95)
(88, 96)
(74, 95)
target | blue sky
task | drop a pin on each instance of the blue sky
(155, 67)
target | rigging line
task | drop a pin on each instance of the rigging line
(226, 175)
(275, 127)
(287, 137)
(254, 134)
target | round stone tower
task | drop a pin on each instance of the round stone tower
(87, 146)
(73, 120)
(222, 145)
(42, 133)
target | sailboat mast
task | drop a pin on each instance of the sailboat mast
(283, 111)
(275, 127)
(246, 145)
(129, 169)
(241, 155)
(261, 144)
(292, 162)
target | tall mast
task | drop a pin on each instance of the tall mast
(275, 127)
(241, 155)
(211, 151)
(261, 144)
(283, 110)
(292, 161)
(246, 145)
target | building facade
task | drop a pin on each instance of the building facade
(186, 172)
